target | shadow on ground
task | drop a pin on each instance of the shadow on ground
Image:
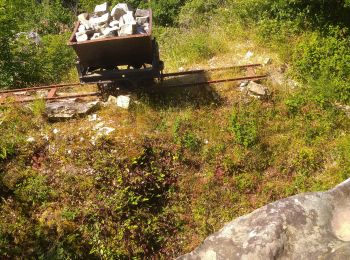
(169, 93)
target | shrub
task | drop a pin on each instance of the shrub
(166, 11)
(315, 13)
(57, 58)
(184, 136)
(244, 125)
(344, 156)
(33, 190)
(14, 124)
(197, 11)
(323, 62)
(44, 63)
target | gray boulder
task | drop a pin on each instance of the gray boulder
(306, 226)
(70, 108)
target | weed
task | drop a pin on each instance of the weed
(38, 107)
(184, 136)
(244, 125)
(33, 190)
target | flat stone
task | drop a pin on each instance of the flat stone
(256, 90)
(66, 109)
(102, 20)
(142, 13)
(306, 226)
(127, 29)
(101, 9)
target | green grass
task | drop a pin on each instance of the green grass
(180, 163)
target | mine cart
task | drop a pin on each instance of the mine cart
(117, 58)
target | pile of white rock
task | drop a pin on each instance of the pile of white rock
(121, 21)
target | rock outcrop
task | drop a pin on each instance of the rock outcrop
(65, 109)
(306, 226)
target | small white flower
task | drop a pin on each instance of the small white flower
(30, 139)
(93, 117)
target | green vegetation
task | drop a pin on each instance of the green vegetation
(180, 163)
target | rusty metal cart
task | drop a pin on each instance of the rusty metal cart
(118, 58)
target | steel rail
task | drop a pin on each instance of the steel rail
(259, 77)
(217, 81)
(39, 88)
(52, 98)
(166, 75)
(181, 73)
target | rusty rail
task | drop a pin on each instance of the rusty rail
(39, 88)
(166, 75)
(53, 88)
(218, 81)
(52, 98)
(190, 72)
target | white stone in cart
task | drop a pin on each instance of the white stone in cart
(124, 6)
(82, 38)
(117, 12)
(121, 21)
(100, 28)
(114, 23)
(142, 20)
(81, 28)
(110, 31)
(98, 21)
(78, 34)
(129, 18)
(101, 9)
(141, 13)
(140, 29)
(127, 29)
(96, 36)
(83, 19)
(82, 31)
(146, 27)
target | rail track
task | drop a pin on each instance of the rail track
(14, 95)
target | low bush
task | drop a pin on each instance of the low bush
(245, 126)
(185, 137)
(323, 63)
